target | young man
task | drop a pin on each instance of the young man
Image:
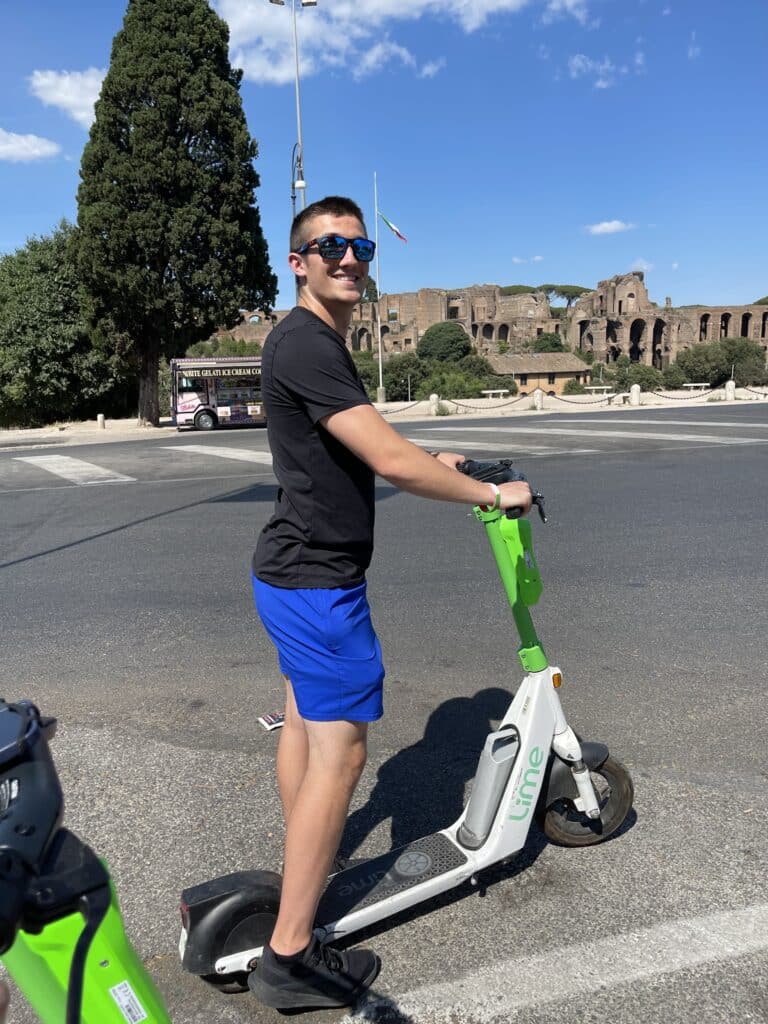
(328, 444)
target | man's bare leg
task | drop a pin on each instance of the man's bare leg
(336, 757)
(292, 753)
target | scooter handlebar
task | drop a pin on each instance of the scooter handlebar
(31, 807)
(501, 472)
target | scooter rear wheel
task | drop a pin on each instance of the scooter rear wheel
(565, 825)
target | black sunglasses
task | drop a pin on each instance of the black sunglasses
(333, 247)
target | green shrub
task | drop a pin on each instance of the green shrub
(674, 377)
(573, 387)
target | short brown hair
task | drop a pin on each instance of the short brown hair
(336, 206)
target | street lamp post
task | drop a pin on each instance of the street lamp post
(298, 182)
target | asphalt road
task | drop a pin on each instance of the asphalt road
(126, 611)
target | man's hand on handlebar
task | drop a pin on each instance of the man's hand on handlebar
(516, 494)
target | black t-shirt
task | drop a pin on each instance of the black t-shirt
(321, 531)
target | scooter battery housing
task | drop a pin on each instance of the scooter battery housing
(494, 768)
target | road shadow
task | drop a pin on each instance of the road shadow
(421, 788)
(252, 493)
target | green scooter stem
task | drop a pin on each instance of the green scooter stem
(511, 541)
(116, 985)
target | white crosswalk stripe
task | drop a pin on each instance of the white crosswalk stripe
(543, 431)
(509, 447)
(751, 425)
(77, 471)
(239, 454)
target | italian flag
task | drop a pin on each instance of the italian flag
(392, 227)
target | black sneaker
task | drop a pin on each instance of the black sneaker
(323, 977)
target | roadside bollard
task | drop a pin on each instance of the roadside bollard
(730, 391)
(434, 404)
(634, 395)
(100, 421)
(538, 399)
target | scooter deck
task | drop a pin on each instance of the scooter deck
(387, 875)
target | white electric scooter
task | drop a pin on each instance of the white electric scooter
(532, 767)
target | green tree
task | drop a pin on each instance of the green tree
(446, 342)
(573, 387)
(397, 370)
(569, 292)
(169, 244)
(370, 292)
(517, 289)
(48, 367)
(705, 363)
(368, 368)
(746, 359)
(648, 377)
(224, 345)
(475, 366)
(547, 343)
(761, 302)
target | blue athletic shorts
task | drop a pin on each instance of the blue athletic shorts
(327, 646)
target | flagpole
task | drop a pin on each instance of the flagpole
(381, 396)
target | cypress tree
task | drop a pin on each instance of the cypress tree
(169, 244)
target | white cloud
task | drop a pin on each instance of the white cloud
(342, 33)
(518, 259)
(380, 54)
(639, 61)
(556, 9)
(602, 71)
(667, 11)
(21, 149)
(432, 67)
(609, 227)
(536, 259)
(74, 92)
(675, 265)
(693, 49)
(643, 265)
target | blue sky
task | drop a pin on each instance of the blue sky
(515, 141)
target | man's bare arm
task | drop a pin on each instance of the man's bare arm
(372, 439)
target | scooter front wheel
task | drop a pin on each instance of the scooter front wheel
(565, 825)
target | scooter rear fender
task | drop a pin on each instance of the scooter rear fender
(226, 915)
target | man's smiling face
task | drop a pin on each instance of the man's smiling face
(332, 282)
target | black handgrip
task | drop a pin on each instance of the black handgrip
(501, 472)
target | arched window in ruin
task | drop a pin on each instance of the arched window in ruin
(612, 329)
(356, 341)
(631, 302)
(589, 342)
(704, 327)
(746, 323)
(504, 332)
(636, 336)
(764, 326)
(725, 325)
(487, 332)
(384, 331)
(474, 331)
(612, 354)
(658, 338)
(583, 325)
(364, 339)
